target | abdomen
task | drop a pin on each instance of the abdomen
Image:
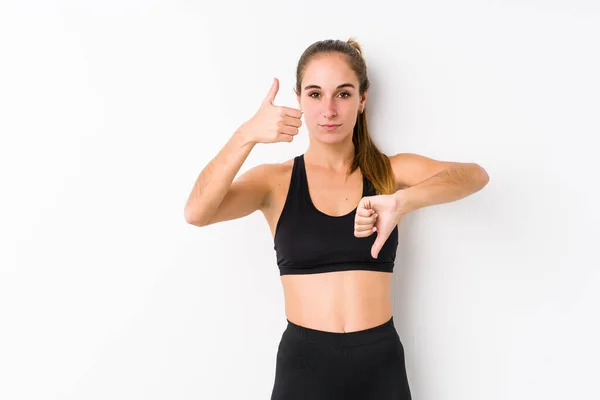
(342, 301)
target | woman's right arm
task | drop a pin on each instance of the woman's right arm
(214, 198)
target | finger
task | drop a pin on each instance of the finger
(378, 245)
(282, 137)
(365, 203)
(291, 121)
(270, 97)
(362, 234)
(366, 220)
(364, 212)
(362, 228)
(288, 130)
(291, 112)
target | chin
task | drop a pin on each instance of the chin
(332, 137)
(325, 136)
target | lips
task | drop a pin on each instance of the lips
(330, 127)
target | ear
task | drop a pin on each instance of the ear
(363, 99)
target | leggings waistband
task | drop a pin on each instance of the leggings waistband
(356, 338)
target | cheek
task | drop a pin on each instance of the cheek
(310, 115)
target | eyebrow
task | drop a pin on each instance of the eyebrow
(343, 85)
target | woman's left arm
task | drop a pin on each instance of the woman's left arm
(422, 181)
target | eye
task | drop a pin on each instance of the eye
(346, 95)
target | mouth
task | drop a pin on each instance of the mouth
(330, 126)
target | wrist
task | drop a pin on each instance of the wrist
(402, 198)
(244, 137)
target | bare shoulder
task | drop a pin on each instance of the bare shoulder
(411, 169)
(265, 173)
(278, 177)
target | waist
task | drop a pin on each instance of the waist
(360, 337)
(338, 301)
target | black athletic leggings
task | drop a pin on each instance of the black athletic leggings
(319, 365)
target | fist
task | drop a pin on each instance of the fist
(378, 214)
(273, 123)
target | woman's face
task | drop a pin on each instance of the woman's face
(330, 96)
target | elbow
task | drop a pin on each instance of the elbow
(193, 218)
(484, 178)
(484, 175)
(189, 218)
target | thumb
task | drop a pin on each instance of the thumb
(378, 244)
(270, 98)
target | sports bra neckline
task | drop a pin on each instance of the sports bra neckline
(310, 201)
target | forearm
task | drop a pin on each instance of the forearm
(451, 184)
(215, 179)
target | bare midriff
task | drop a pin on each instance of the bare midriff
(341, 301)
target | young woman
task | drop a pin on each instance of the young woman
(333, 213)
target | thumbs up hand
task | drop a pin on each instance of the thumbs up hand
(272, 123)
(379, 214)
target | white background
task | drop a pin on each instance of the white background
(109, 111)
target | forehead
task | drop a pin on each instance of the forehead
(328, 71)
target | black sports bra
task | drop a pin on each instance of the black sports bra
(308, 241)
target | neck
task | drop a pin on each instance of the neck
(336, 157)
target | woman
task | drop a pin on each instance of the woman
(333, 213)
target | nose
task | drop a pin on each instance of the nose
(330, 111)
